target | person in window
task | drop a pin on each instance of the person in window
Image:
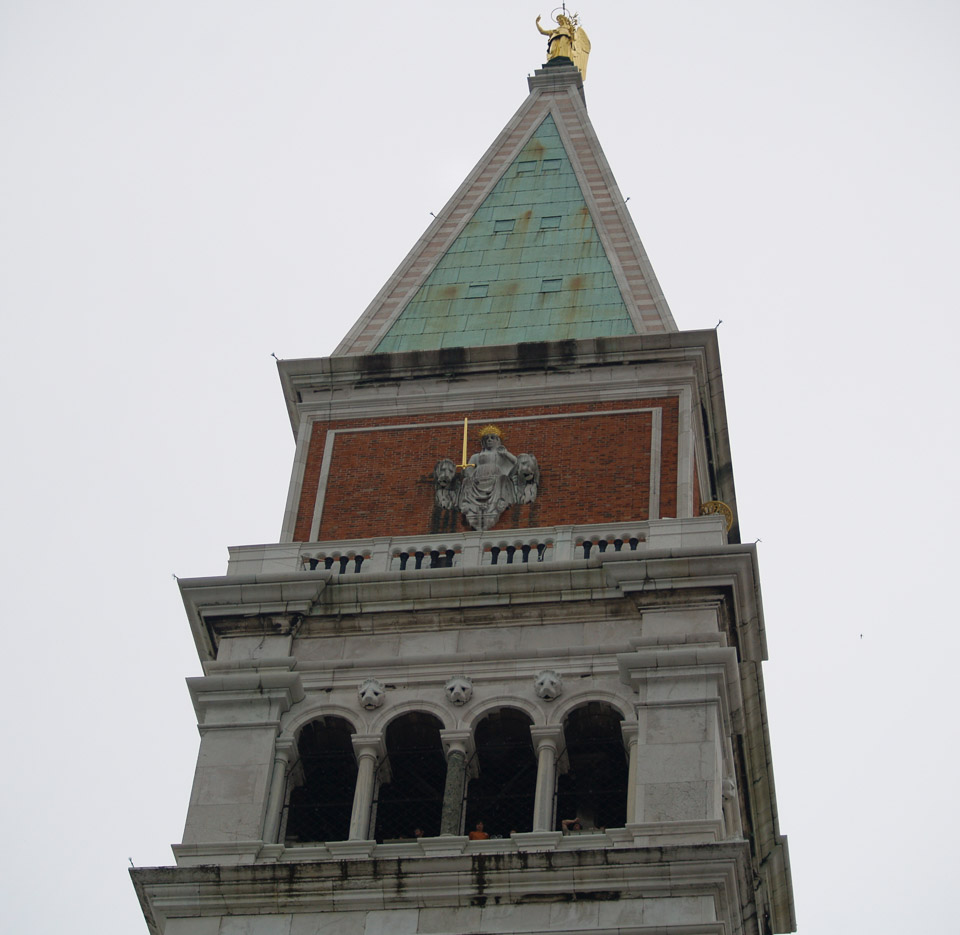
(571, 825)
(478, 834)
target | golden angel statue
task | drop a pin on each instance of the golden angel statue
(567, 40)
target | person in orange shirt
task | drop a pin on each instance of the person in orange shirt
(479, 834)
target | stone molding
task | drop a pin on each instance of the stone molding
(449, 845)
(223, 853)
(659, 833)
(605, 575)
(350, 850)
(267, 693)
(447, 875)
(637, 668)
(580, 372)
(355, 371)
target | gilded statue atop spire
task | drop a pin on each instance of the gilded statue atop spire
(568, 40)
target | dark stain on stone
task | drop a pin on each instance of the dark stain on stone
(375, 364)
(533, 354)
(442, 520)
(568, 350)
(452, 356)
(571, 897)
(577, 282)
(479, 867)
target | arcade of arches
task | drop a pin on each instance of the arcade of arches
(417, 779)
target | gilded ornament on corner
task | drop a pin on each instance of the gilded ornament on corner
(718, 506)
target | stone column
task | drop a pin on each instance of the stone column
(547, 741)
(283, 754)
(630, 738)
(457, 747)
(368, 749)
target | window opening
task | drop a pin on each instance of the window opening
(411, 779)
(551, 165)
(551, 223)
(502, 793)
(526, 168)
(504, 226)
(325, 775)
(551, 285)
(594, 788)
(478, 291)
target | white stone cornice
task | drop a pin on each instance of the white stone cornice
(207, 599)
(257, 698)
(449, 875)
(638, 669)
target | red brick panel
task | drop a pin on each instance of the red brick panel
(593, 469)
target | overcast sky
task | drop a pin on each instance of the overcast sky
(186, 187)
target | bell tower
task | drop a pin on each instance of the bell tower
(502, 671)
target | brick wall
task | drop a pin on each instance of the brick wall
(593, 468)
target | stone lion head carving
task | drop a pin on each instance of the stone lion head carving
(445, 484)
(528, 478)
(371, 692)
(445, 473)
(548, 685)
(459, 690)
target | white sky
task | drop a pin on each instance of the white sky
(186, 187)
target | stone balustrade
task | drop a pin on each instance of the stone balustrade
(473, 549)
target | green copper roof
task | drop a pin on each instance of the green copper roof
(528, 266)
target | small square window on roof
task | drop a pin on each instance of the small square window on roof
(551, 285)
(550, 224)
(526, 168)
(550, 165)
(478, 290)
(504, 226)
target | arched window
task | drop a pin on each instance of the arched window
(411, 779)
(320, 804)
(502, 793)
(594, 787)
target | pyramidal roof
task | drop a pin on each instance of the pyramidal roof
(535, 245)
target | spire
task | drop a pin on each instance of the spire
(535, 245)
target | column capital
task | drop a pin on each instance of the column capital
(630, 732)
(547, 737)
(457, 741)
(368, 745)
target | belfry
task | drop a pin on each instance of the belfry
(510, 681)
